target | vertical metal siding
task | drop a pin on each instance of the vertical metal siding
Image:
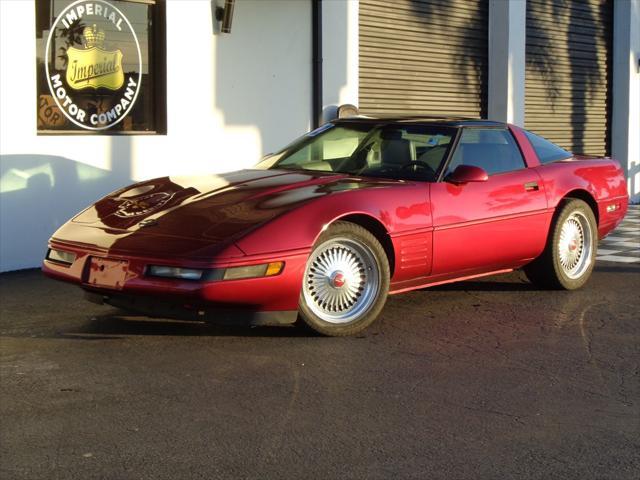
(424, 57)
(568, 73)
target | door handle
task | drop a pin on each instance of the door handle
(531, 187)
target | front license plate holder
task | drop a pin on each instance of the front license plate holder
(107, 272)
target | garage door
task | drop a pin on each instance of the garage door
(568, 73)
(423, 57)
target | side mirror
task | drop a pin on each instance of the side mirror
(466, 174)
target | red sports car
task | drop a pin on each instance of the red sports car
(323, 230)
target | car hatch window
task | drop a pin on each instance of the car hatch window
(547, 152)
(492, 149)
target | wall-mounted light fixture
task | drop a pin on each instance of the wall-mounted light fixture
(225, 15)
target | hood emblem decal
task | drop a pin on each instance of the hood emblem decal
(142, 205)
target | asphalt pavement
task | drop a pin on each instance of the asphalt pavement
(484, 379)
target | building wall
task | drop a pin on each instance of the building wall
(625, 137)
(507, 53)
(230, 99)
(340, 55)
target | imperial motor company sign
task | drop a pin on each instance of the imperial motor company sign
(91, 67)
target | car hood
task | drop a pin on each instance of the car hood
(214, 207)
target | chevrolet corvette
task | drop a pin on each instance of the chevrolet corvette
(322, 231)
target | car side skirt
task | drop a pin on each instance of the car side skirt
(439, 280)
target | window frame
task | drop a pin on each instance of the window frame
(157, 54)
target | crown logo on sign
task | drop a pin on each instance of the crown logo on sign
(93, 37)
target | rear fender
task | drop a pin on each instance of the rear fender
(599, 182)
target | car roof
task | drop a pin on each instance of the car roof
(450, 121)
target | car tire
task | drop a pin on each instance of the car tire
(570, 253)
(345, 282)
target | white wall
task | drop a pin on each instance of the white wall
(340, 55)
(625, 135)
(230, 99)
(507, 42)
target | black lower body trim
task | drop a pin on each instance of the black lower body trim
(222, 316)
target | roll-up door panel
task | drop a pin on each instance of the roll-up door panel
(568, 73)
(423, 57)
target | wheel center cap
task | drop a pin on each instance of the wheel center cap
(573, 245)
(338, 279)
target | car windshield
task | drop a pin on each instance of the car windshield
(395, 151)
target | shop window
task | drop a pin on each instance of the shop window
(101, 67)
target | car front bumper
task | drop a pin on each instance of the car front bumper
(251, 298)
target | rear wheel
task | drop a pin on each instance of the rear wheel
(569, 256)
(346, 281)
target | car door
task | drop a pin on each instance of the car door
(493, 224)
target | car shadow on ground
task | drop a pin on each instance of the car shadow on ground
(117, 324)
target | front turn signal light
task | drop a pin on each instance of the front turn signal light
(231, 273)
(274, 268)
(60, 256)
(253, 271)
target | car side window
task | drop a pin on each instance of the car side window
(407, 152)
(493, 149)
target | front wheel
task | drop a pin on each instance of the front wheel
(569, 256)
(346, 281)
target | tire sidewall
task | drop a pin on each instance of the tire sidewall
(360, 234)
(565, 212)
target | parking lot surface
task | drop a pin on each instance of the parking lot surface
(483, 379)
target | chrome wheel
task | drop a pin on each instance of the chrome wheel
(341, 280)
(575, 245)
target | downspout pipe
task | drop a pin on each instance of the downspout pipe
(316, 73)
